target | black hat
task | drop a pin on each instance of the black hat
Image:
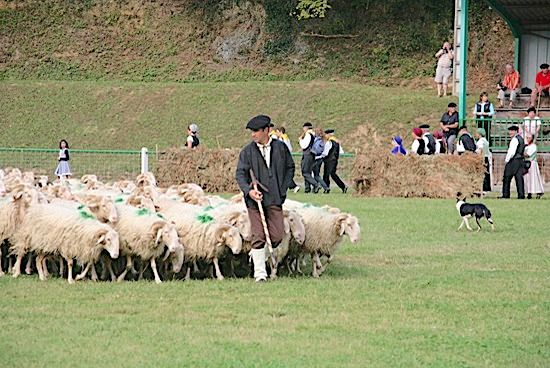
(451, 104)
(513, 127)
(259, 122)
(271, 125)
(329, 131)
(462, 127)
(308, 125)
(544, 66)
(425, 126)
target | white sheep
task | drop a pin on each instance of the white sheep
(144, 234)
(49, 229)
(325, 231)
(294, 233)
(202, 236)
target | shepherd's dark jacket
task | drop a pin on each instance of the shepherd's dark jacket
(277, 178)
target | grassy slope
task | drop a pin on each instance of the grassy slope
(127, 115)
(414, 292)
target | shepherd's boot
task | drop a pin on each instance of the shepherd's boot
(258, 258)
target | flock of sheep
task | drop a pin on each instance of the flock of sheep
(116, 231)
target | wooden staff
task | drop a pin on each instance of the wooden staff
(262, 217)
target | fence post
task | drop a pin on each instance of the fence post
(144, 160)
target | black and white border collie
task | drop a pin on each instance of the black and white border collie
(467, 210)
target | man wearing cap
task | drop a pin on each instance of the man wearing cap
(429, 140)
(270, 162)
(308, 159)
(192, 136)
(542, 84)
(514, 164)
(331, 155)
(449, 125)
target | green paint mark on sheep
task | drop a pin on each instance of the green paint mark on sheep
(209, 208)
(307, 205)
(161, 216)
(119, 200)
(80, 207)
(143, 212)
(86, 215)
(205, 218)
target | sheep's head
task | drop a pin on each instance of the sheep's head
(145, 179)
(90, 181)
(241, 221)
(2, 188)
(348, 224)
(296, 225)
(26, 195)
(141, 202)
(229, 235)
(42, 181)
(177, 259)
(102, 207)
(166, 233)
(108, 239)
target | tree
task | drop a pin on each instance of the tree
(306, 9)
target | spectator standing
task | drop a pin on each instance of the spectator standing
(542, 84)
(509, 86)
(429, 140)
(308, 159)
(531, 123)
(449, 125)
(332, 152)
(514, 164)
(444, 67)
(284, 137)
(192, 141)
(534, 184)
(318, 150)
(418, 146)
(466, 142)
(280, 134)
(483, 113)
(398, 148)
(482, 145)
(63, 170)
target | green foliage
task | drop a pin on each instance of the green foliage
(306, 9)
(280, 27)
(414, 292)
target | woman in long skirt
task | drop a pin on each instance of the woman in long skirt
(482, 148)
(534, 184)
(63, 169)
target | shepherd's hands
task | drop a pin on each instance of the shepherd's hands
(256, 195)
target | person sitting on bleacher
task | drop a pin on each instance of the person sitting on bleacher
(509, 86)
(449, 126)
(542, 84)
(466, 142)
(531, 123)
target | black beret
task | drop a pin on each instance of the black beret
(513, 127)
(451, 104)
(259, 122)
(544, 66)
(308, 125)
(462, 127)
(425, 126)
(329, 131)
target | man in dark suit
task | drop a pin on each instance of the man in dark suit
(272, 165)
(514, 164)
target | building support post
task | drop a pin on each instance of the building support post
(463, 61)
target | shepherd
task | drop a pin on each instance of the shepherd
(264, 173)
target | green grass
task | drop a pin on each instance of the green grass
(413, 292)
(124, 115)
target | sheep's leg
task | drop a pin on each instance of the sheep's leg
(104, 268)
(133, 269)
(10, 264)
(142, 268)
(274, 263)
(109, 266)
(217, 267)
(17, 266)
(128, 267)
(188, 273)
(314, 265)
(154, 267)
(28, 266)
(70, 271)
(329, 259)
(94, 274)
(1, 271)
(39, 267)
(61, 267)
(83, 274)
(45, 271)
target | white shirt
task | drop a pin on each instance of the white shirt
(328, 146)
(415, 146)
(437, 146)
(482, 146)
(265, 150)
(531, 125)
(426, 141)
(306, 141)
(512, 149)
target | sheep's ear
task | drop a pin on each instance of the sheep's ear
(18, 195)
(233, 218)
(220, 234)
(286, 213)
(341, 219)
(101, 236)
(157, 230)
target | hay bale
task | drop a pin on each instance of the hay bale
(212, 169)
(380, 174)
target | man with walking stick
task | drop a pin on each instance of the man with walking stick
(264, 173)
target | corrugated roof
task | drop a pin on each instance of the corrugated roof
(531, 15)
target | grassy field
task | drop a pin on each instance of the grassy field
(414, 292)
(124, 115)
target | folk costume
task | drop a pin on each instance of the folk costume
(534, 184)
(483, 113)
(482, 145)
(514, 165)
(63, 168)
(308, 159)
(273, 168)
(418, 146)
(330, 159)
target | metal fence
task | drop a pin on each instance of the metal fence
(498, 132)
(106, 164)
